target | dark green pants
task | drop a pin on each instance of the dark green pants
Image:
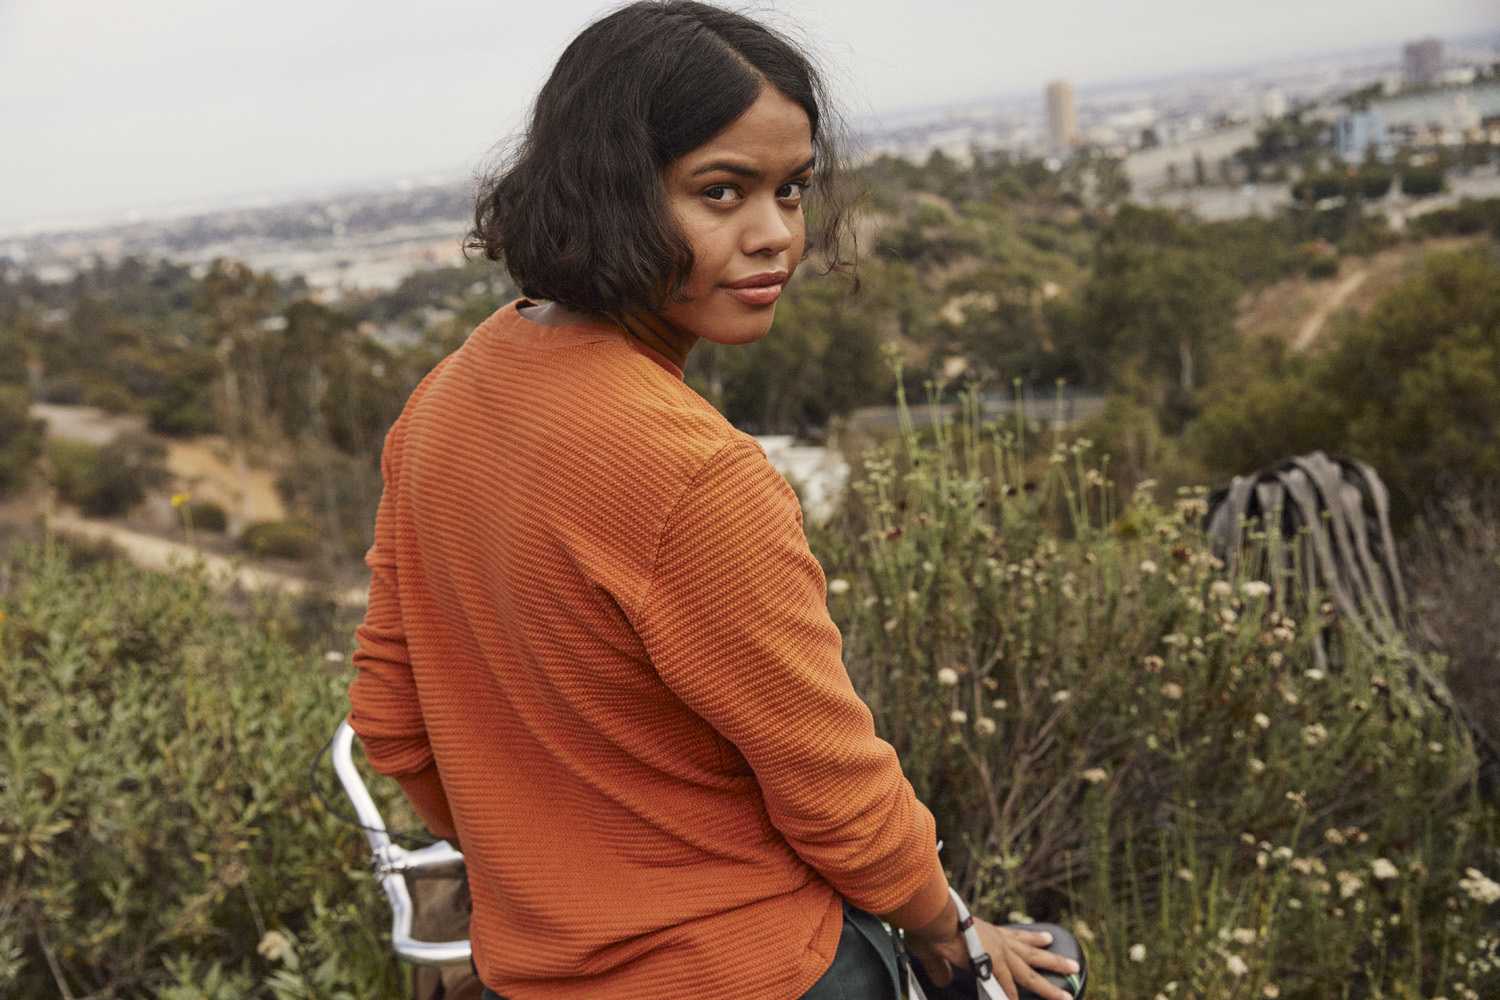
(864, 968)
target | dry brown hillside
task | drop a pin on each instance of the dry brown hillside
(1298, 310)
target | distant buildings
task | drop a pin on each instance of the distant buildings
(1273, 104)
(1421, 61)
(1356, 132)
(1062, 117)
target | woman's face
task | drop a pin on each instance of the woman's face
(737, 200)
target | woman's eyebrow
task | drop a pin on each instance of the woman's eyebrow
(740, 170)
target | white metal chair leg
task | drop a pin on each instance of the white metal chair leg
(393, 861)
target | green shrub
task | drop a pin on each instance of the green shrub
(1419, 182)
(110, 396)
(1113, 735)
(1316, 187)
(107, 480)
(156, 826)
(205, 515)
(20, 438)
(1469, 217)
(1373, 182)
(1323, 267)
(280, 540)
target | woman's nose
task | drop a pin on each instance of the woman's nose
(770, 228)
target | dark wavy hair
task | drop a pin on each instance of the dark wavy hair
(579, 214)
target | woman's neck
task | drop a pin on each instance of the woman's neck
(665, 338)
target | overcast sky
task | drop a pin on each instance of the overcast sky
(108, 106)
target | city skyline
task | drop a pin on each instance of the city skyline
(110, 109)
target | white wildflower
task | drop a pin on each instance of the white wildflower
(1314, 674)
(1349, 884)
(1271, 991)
(1263, 720)
(1186, 874)
(1137, 953)
(958, 716)
(1335, 836)
(985, 726)
(274, 946)
(1382, 869)
(1171, 690)
(1153, 664)
(1255, 589)
(1148, 567)
(999, 704)
(1192, 508)
(1095, 775)
(1061, 696)
(1243, 935)
(1479, 887)
(838, 585)
(1220, 589)
(1237, 966)
(947, 676)
(1257, 765)
(1314, 734)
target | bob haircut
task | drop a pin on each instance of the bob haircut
(579, 215)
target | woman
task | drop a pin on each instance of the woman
(597, 650)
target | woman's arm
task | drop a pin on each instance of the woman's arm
(385, 709)
(736, 623)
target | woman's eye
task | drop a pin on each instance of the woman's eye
(720, 192)
(792, 191)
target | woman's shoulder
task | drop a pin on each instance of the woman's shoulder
(583, 394)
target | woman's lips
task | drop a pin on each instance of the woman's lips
(759, 289)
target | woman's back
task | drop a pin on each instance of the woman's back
(616, 641)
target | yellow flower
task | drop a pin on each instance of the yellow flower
(178, 499)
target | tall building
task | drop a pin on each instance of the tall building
(1062, 117)
(1420, 61)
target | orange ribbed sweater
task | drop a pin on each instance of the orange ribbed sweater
(594, 611)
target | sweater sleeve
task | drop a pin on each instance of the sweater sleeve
(385, 709)
(736, 624)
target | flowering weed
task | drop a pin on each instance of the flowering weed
(1111, 731)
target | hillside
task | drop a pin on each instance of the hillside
(1298, 309)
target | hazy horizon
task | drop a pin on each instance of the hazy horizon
(166, 105)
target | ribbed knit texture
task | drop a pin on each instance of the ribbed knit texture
(593, 607)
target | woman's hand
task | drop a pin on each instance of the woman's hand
(1016, 954)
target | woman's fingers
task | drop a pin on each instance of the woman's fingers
(1025, 953)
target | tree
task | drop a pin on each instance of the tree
(1412, 387)
(1156, 308)
(821, 359)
